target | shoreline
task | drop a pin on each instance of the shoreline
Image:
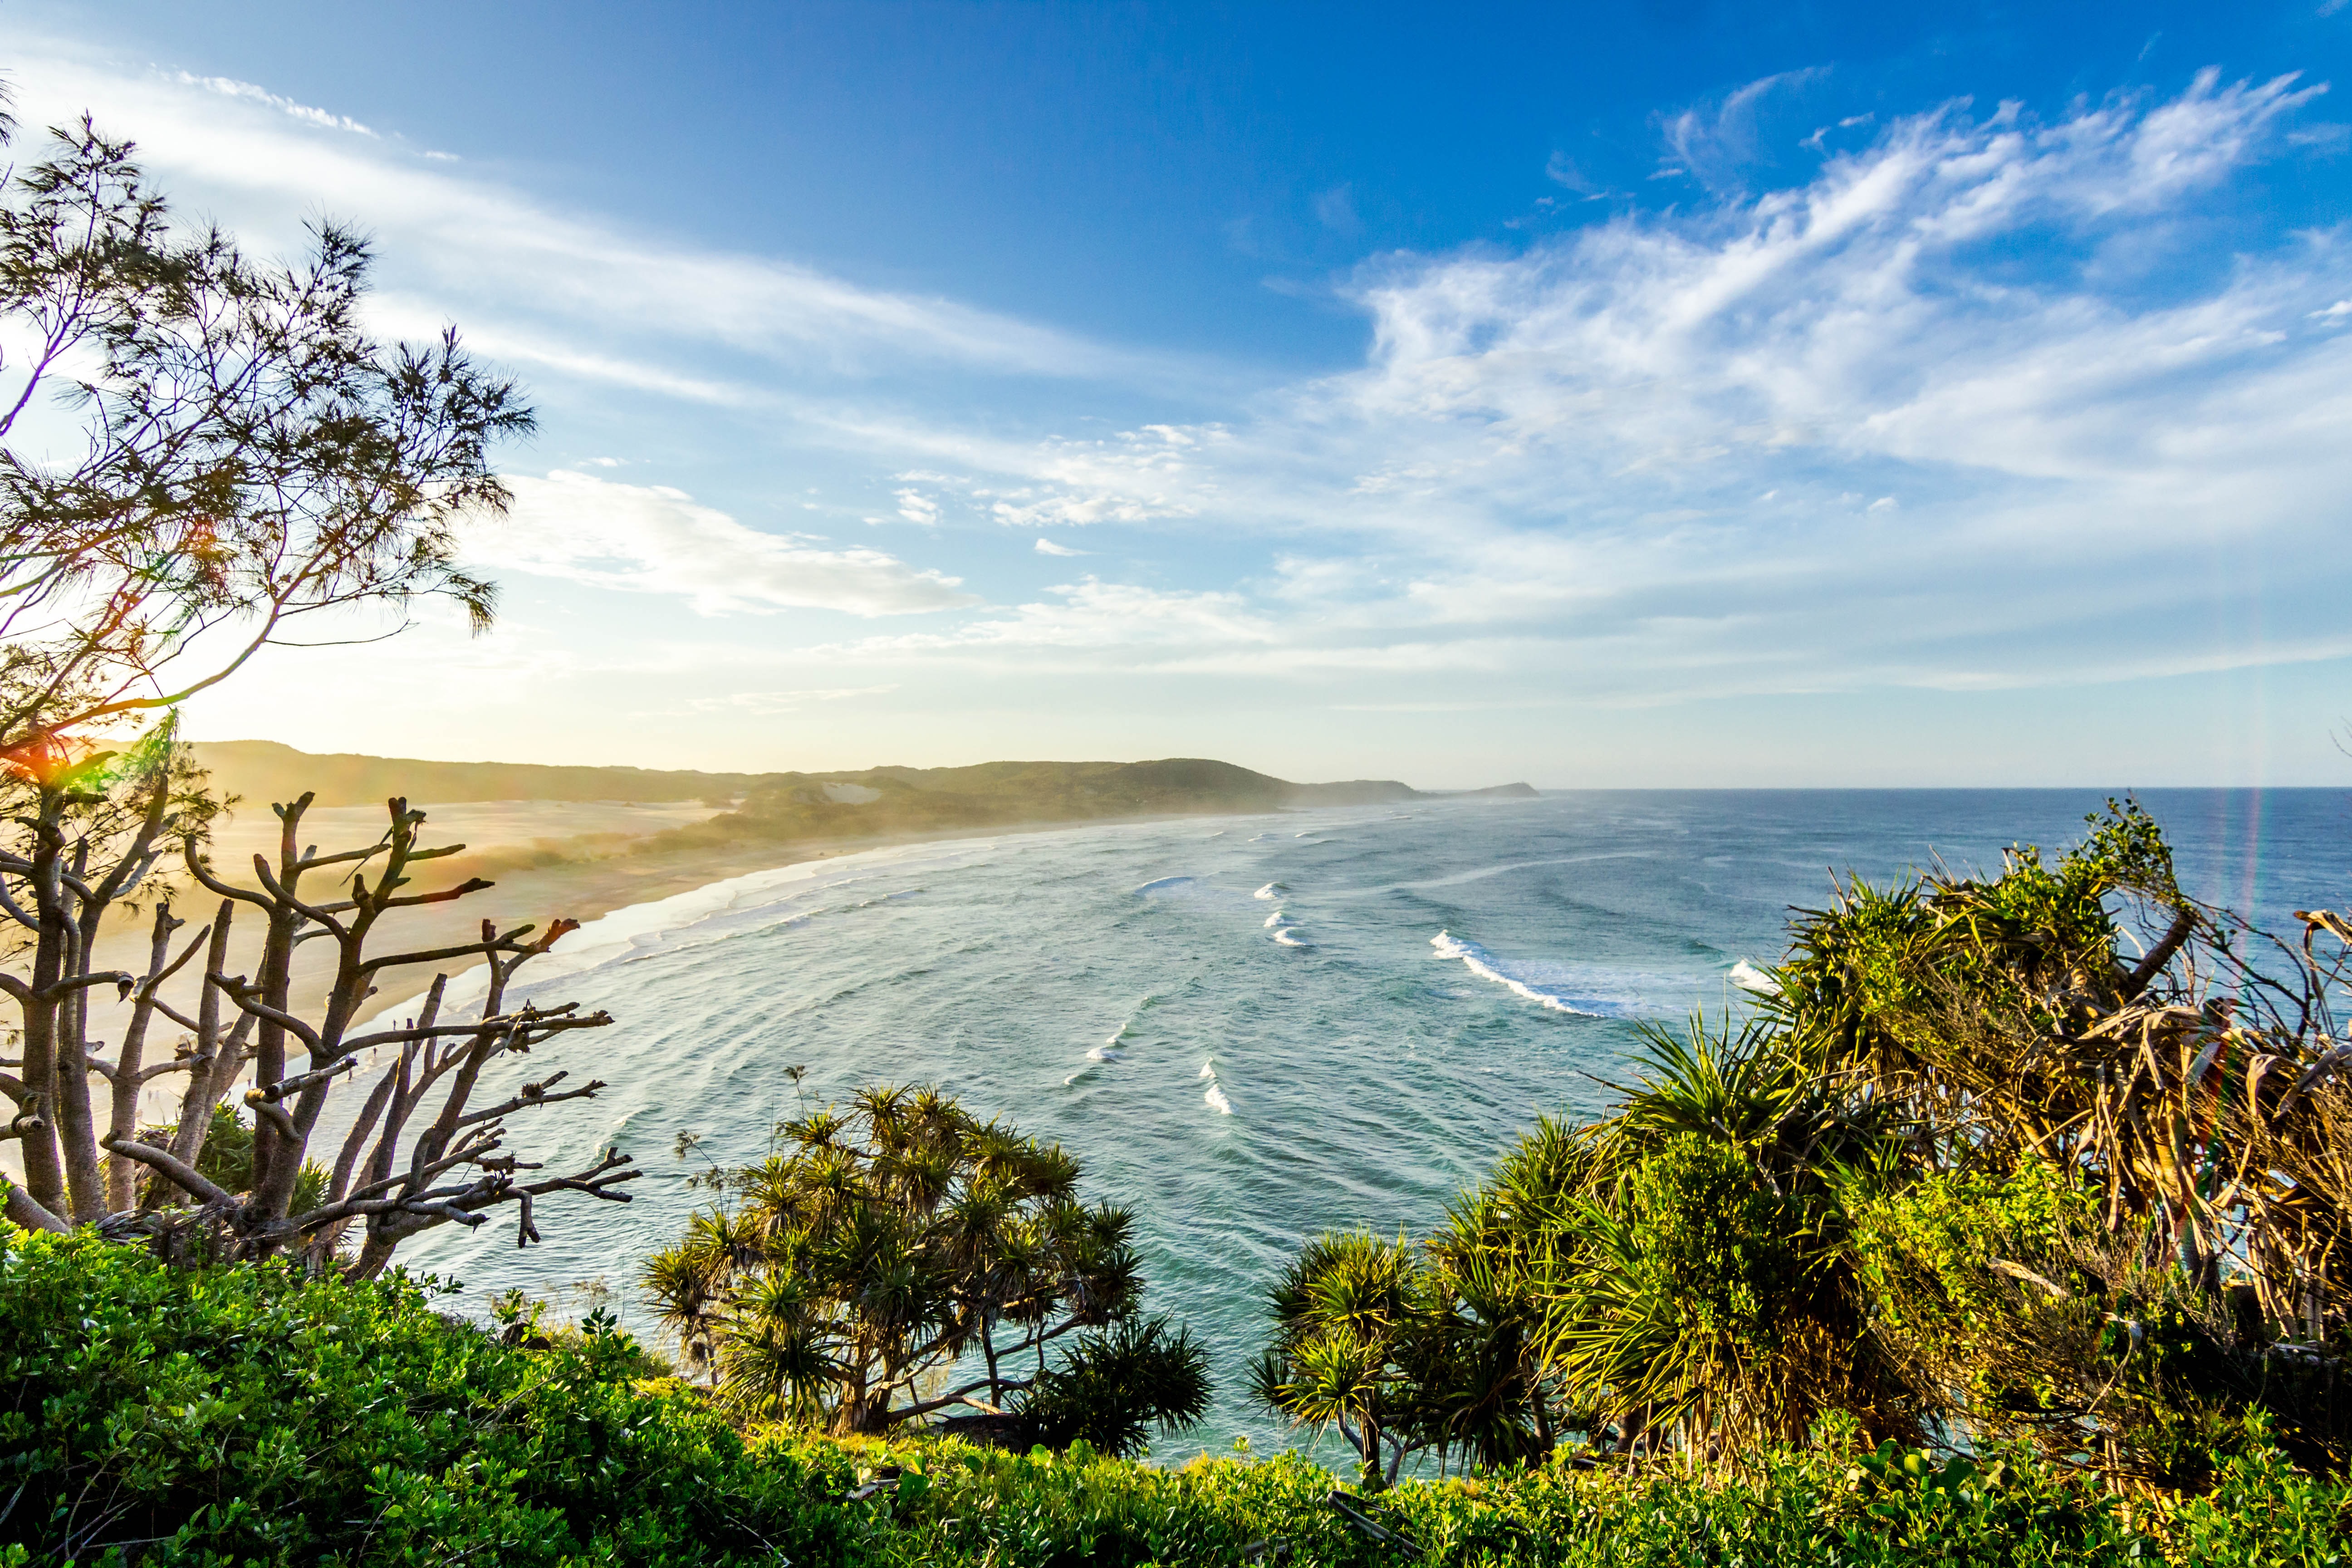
(662, 878)
(590, 890)
(584, 890)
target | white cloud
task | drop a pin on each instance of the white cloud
(1561, 169)
(1141, 475)
(1335, 209)
(651, 539)
(1095, 618)
(769, 702)
(1572, 440)
(1546, 472)
(1718, 142)
(229, 87)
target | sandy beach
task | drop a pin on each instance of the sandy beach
(547, 860)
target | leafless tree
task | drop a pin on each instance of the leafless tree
(420, 1154)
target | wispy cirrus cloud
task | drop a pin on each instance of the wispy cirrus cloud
(1966, 399)
(530, 276)
(229, 87)
(1808, 437)
(1089, 618)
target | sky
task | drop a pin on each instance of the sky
(1665, 393)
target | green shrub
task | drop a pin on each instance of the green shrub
(245, 1414)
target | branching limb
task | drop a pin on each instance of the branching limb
(31, 1215)
(532, 1094)
(181, 1174)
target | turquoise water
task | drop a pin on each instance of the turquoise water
(1247, 1029)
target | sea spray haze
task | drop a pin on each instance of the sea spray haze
(1451, 971)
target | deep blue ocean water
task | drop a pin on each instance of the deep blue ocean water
(1250, 1029)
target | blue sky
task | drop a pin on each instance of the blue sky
(1636, 395)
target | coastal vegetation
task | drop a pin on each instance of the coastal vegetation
(877, 1245)
(2009, 1227)
(2056, 1158)
(252, 1413)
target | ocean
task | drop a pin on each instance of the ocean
(1247, 1029)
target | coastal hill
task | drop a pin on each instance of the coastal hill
(581, 841)
(259, 772)
(794, 806)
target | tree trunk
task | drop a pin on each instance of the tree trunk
(123, 1114)
(216, 1050)
(44, 1177)
(77, 1116)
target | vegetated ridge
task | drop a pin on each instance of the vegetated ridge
(994, 794)
(267, 771)
(789, 806)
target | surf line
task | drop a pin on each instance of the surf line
(1481, 963)
(1215, 1099)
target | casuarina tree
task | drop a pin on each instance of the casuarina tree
(199, 453)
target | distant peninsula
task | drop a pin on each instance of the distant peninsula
(793, 807)
(583, 841)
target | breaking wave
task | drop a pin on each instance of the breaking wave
(1486, 966)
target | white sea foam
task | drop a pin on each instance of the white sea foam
(1271, 890)
(755, 901)
(1288, 937)
(1275, 919)
(1484, 965)
(1215, 1099)
(1748, 977)
(1114, 1047)
(1165, 885)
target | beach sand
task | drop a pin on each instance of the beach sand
(548, 859)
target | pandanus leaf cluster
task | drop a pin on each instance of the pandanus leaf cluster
(898, 1258)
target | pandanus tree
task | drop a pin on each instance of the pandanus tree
(2053, 1153)
(2125, 1218)
(1694, 1280)
(1359, 1324)
(846, 1276)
